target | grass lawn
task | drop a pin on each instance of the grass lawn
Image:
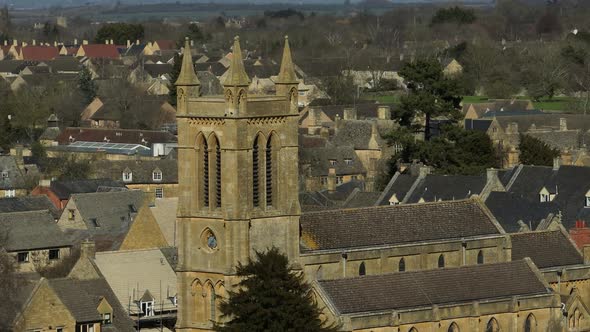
(388, 99)
(556, 104)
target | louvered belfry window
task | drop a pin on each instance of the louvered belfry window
(217, 174)
(255, 175)
(205, 174)
(269, 172)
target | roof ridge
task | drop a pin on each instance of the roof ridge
(399, 206)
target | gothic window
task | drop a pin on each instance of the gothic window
(413, 329)
(212, 303)
(530, 325)
(480, 257)
(205, 155)
(453, 328)
(217, 173)
(402, 265)
(362, 269)
(441, 261)
(269, 171)
(256, 173)
(492, 326)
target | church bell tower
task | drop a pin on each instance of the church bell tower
(238, 182)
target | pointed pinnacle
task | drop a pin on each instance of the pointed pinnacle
(287, 73)
(187, 74)
(236, 75)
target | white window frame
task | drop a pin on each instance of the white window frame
(127, 176)
(149, 307)
(333, 162)
(10, 193)
(348, 161)
(157, 176)
(587, 204)
(159, 192)
(339, 179)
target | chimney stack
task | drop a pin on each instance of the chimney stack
(556, 163)
(331, 179)
(75, 41)
(106, 41)
(137, 42)
(87, 249)
(384, 112)
(128, 43)
(84, 42)
(562, 124)
(34, 42)
(5, 42)
(15, 42)
(350, 113)
(112, 43)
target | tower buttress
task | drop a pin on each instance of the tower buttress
(286, 84)
(187, 84)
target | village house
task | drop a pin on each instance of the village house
(12, 178)
(60, 191)
(28, 204)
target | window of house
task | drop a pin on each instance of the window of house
(107, 318)
(339, 180)
(4, 174)
(333, 162)
(402, 265)
(127, 176)
(362, 269)
(480, 257)
(441, 261)
(147, 308)
(544, 198)
(86, 328)
(587, 203)
(324, 180)
(157, 175)
(354, 177)
(53, 254)
(59, 329)
(71, 214)
(10, 193)
(22, 257)
(348, 161)
(159, 192)
(94, 222)
(132, 208)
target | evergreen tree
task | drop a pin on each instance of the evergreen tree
(271, 297)
(173, 77)
(431, 94)
(533, 151)
(87, 85)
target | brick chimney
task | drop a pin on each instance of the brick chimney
(580, 234)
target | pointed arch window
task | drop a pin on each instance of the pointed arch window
(493, 325)
(453, 328)
(530, 325)
(402, 265)
(269, 171)
(441, 261)
(212, 303)
(256, 172)
(218, 166)
(362, 269)
(205, 155)
(480, 257)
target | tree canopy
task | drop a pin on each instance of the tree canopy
(454, 14)
(120, 33)
(536, 152)
(271, 297)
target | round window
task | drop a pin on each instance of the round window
(209, 240)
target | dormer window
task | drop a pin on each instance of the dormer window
(545, 196)
(348, 161)
(393, 200)
(94, 222)
(587, 200)
(127, 176)
(157, 175)
(333, 162)
(146, 304)
(107, 318)
(4, 175)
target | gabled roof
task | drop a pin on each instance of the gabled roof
(156, 70)
(406, 290)
(399, 185)
(27, 204)
(131, 273)
(166, 44)
(546, 248)
(436, 187)
(319, 159)
(510, 208)
(130, 136)
(395, 225)
(82, 298)
(14, 179)
(65, 188)
(39, 53)
(32, 230)
(100, 51)
(142, 170)
(357, 133)
(64, 64)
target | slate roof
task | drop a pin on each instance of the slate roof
(65, 64)
(394, 225)
(364, 111)
(15, 66)
(435, 187)
(130, 136)
(399, 185)
(546, 248)
(133, 272)
(477, 124)
(561, 140)
(114, 212)
(360, 199)
(319, 160)
(28, 203)
(65, 188)
(210, 84)
(510, 208)
(142, 170)
(546, 120)
(82, 298)
(15, 179)
(156, 70)
(406, 290)
(32, 230)
(357, 133)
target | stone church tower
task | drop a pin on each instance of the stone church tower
(238, 182)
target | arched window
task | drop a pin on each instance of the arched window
(480, 257)
(453, 328)
(441, 261)
(205, 165)
(269, 171)
(493, 325)
(362, 269)
(256, 172)
(530, 325)
(212, 303)
(413, 329)
(217, 173)
(402, 265)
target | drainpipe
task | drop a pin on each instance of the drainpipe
(344, 258)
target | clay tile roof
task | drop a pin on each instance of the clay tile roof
(394, 225)
(546, 249)
(166, 44)
(407, 290)
(101, 51)
(40, 53)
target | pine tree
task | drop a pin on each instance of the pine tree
(87, 85)
(173, 77)
(533, 151)
(271, 297)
